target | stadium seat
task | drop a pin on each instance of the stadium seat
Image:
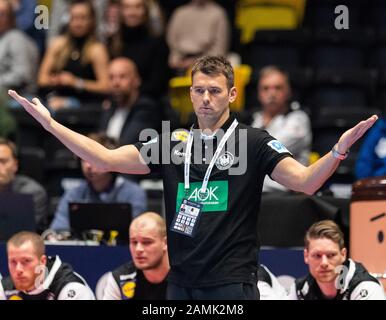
(284, 219)
(339, 49)
(253, 17)
(380, 100)
(180, 97)
(297, 5)
(320, 14)
(377, 52)
(47, 3)
(278, 47)
(342, 88)
(31, 162)
(377, 13)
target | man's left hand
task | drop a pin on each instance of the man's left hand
(352, 135)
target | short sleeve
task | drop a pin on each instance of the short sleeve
(269, 151)
(151, 152)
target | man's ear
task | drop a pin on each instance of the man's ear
(138, 82)
(232, 94)
(343, 252)
(43, 260)
(16, 166)
(305, 254)
(191, 94)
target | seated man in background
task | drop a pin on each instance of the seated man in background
(128, 112)
(145, 277)
(99, 186)
(372, 157)
(332, 276)
(292, 127)
(269, 286)
(34, 276)
(13, 183)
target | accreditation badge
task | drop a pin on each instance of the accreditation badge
(186, 219)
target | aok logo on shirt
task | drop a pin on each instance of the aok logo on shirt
(214, 199)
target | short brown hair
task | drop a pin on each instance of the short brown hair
(9, 144)
(22, 237)
(267, 70)
(215, 65)
(325, 229)
(104, 140)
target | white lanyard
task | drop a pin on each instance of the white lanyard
(212, 162)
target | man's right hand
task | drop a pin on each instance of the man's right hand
(126, 159)
(34, 108)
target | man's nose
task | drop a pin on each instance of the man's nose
(324, 260)
(19, 268)
(138, 247)
(206, 96)
(272, 93)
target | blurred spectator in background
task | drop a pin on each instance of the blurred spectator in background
(8, 125)
(128, 112)
(25, 13)
(145, 277)
(14, 183)
(35, 276)
(60, 17)
(156, 17)
(269, 286)
(292, 127)
(74, 70)
(99, 186)
(136, 40)
(198, 28)
(25, 21)
(371, 161)
(332, 276)
(19, 56)
(111, 18)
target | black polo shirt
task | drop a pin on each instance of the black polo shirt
(224, 248)
(134, 285)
